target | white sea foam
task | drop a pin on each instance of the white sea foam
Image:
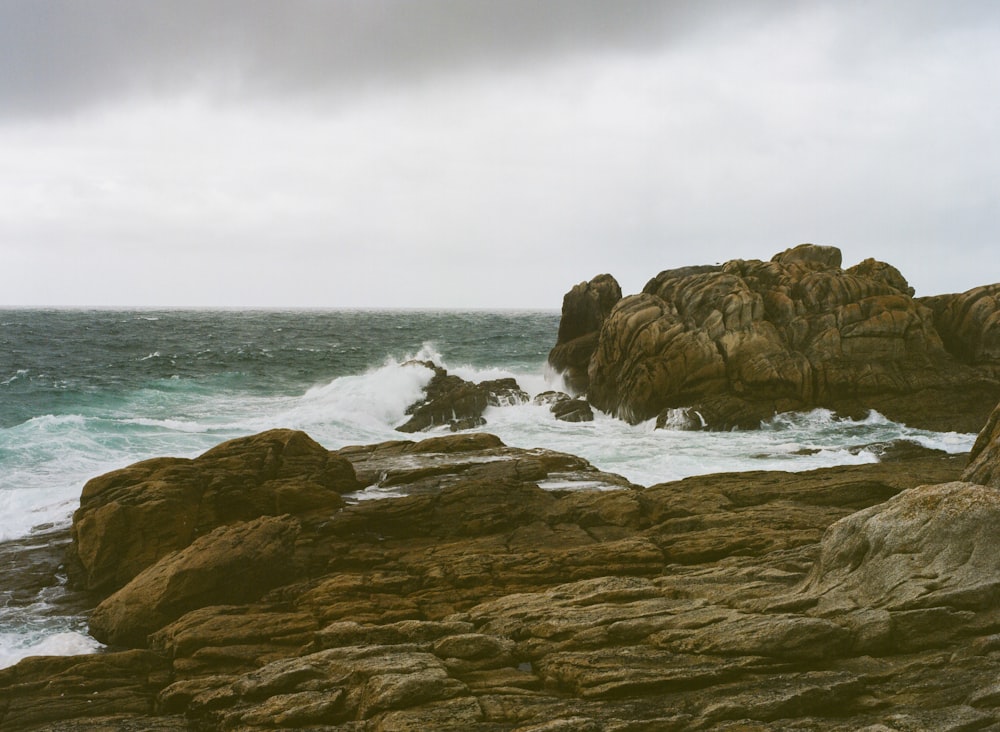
(175, 425)
(361, 406)
(19, 374)
(15, 646)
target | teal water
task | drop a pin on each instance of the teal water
(85, 392)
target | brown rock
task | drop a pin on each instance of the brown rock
(745, 340)
(130, 518)
(232, 564)
(573, 410)
(947, 532)
(969, 323)
(584, 311)
(453, 401)
(838, 599)
(984, 460)
(59, 693)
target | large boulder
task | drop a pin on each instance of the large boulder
(584, 310)
(233, 564)
(747, 339)
(984, 460)
(130, 518)
(969, 323)
(929, 546)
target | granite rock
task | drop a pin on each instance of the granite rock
(858, 597)
(744, 340)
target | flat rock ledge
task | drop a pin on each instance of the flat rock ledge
(852, 598)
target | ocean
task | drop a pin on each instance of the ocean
(83, 392)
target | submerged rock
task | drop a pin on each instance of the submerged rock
(573, 410)
(745, 340)
(549, 398)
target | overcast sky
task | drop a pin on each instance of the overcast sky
(473, 153)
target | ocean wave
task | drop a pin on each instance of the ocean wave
(176, 425)
(19, 374)
(376, 399)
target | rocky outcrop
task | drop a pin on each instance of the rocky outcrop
(742, 341)
(130, 518)
(453, 401)
(947, 534)
(969, 323)
(860, 597)
(984, 460)
(232, 564)
(584, 310)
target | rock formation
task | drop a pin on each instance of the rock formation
(859, 597)
(130, 518)
(564, 407)
(453, 401)
(584, 311)
(741, 341)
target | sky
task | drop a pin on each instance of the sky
(484, 153)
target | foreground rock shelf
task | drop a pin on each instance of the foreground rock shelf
(861, 597)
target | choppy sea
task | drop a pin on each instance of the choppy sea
(83, 392)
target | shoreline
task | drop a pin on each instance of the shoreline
(463, 577)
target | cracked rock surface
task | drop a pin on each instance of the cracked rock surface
(858, 597)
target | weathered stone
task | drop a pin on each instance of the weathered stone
(452, 401)
(764, 600)
(745, 340)
(130, 518)
(947, 535)
(584, 310)
(50, 692)
(984, 460)
(234, 563)
(969, 323)
(573, 410)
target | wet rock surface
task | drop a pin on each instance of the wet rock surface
(584, 310)
(859, 597)
(742, 341)
(452, 401)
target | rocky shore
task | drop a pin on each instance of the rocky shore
(741, 341)
(510, 589)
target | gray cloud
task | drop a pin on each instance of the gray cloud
(56, 55)
(474, 153)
